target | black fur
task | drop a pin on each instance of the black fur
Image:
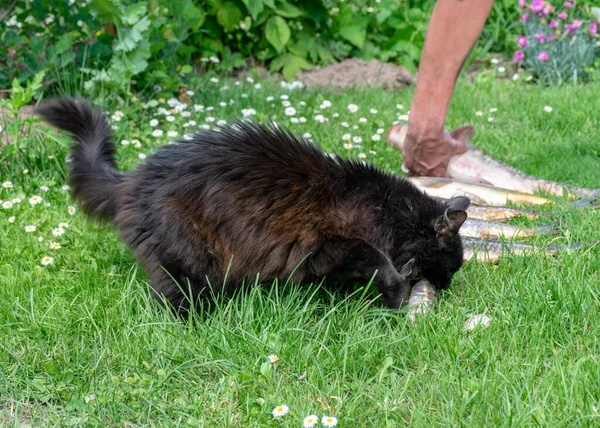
(251, 200)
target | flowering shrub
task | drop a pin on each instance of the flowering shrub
(558, 44)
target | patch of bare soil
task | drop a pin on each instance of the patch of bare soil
(356, 72)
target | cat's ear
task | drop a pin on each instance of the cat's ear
(409, 270)
(448, 224)
(460, 203)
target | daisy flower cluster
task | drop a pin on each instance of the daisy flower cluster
(19, 213)
(309, 421)
(173, 119)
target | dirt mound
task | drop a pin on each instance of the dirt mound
(356, 72)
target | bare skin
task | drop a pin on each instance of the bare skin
(454, 28)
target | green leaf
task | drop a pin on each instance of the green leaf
(382, 15)
(409, 48)
(269, 3)
(134, 12)
(185, 69)
(277, 32)
(266, 369)
(138, 58)
(254, 7)
(229, 16)
(288, 10)
(133, 35)
(354, 34)
(106, 11)
(383, 367)
(65, 42)
(292, 64)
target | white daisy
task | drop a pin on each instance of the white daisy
(548, 109)
(280, 411)
(47, 261)
(157, 133)
(58, 231)
(353, 108)
(154, 122)
(55, 246)
(7, 204)
(290, 111)
(34, 200)
(11, 219)
(329, 421)
(376, 137)
(30, 229)
(310, 421)
(272, 358)
(7, 185)
(71, 210)
(172, 134)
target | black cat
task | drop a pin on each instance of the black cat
(253, 200)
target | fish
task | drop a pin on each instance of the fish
(421, 299)
(475, 228)
(490, 213)
(477, 167)
(480, 194)
(483, 250)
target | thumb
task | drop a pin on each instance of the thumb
(459, 146)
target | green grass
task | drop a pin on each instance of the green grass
(86, 325)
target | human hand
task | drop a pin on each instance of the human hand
(429, 155)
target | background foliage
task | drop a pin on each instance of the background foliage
(116, 44)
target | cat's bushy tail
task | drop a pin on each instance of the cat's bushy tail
(94, 177)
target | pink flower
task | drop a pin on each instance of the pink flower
(550, 37)
(522, 41)
(563, 15)
(594, 28)
(524, 18)
(553, 23)
(571, 28)
(540, 38)
(544, 56)
(537, 5)
(568, 5)
(518, 57)
(522, 4)
(547, 10)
